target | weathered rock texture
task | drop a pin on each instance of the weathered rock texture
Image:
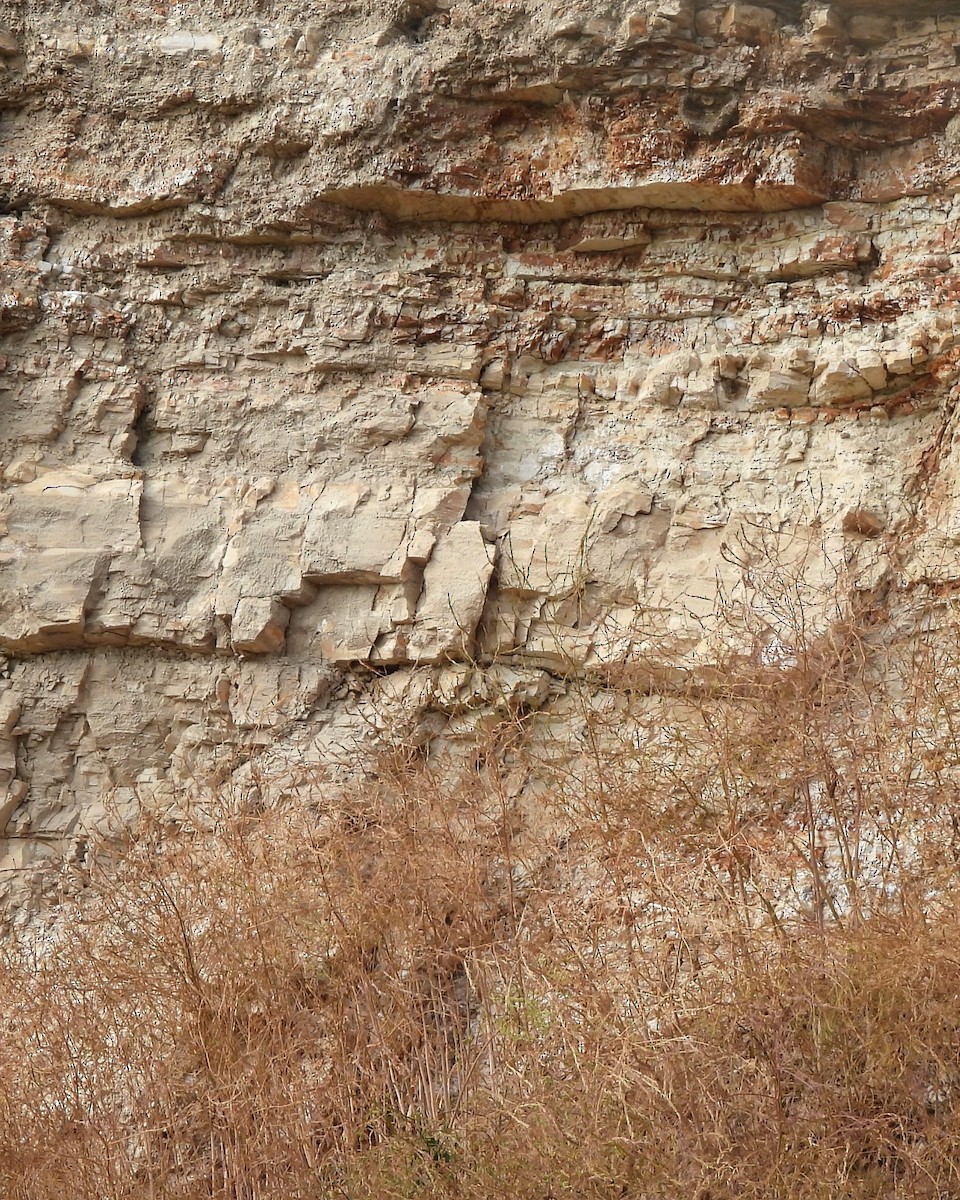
(344, 338)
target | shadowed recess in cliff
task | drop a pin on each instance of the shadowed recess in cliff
(414, 204)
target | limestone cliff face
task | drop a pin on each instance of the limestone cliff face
(344, 338)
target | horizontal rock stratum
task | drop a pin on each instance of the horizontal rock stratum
(430, 334)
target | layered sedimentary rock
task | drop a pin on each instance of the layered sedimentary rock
(412, 349)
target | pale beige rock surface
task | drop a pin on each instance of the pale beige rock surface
(423, 333)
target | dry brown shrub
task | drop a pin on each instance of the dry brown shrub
(705, 945)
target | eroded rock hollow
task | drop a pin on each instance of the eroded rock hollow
(345, 340)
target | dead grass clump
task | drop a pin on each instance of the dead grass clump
(369, 1005)
(229, 1011)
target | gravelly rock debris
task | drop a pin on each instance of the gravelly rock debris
(345, 338)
